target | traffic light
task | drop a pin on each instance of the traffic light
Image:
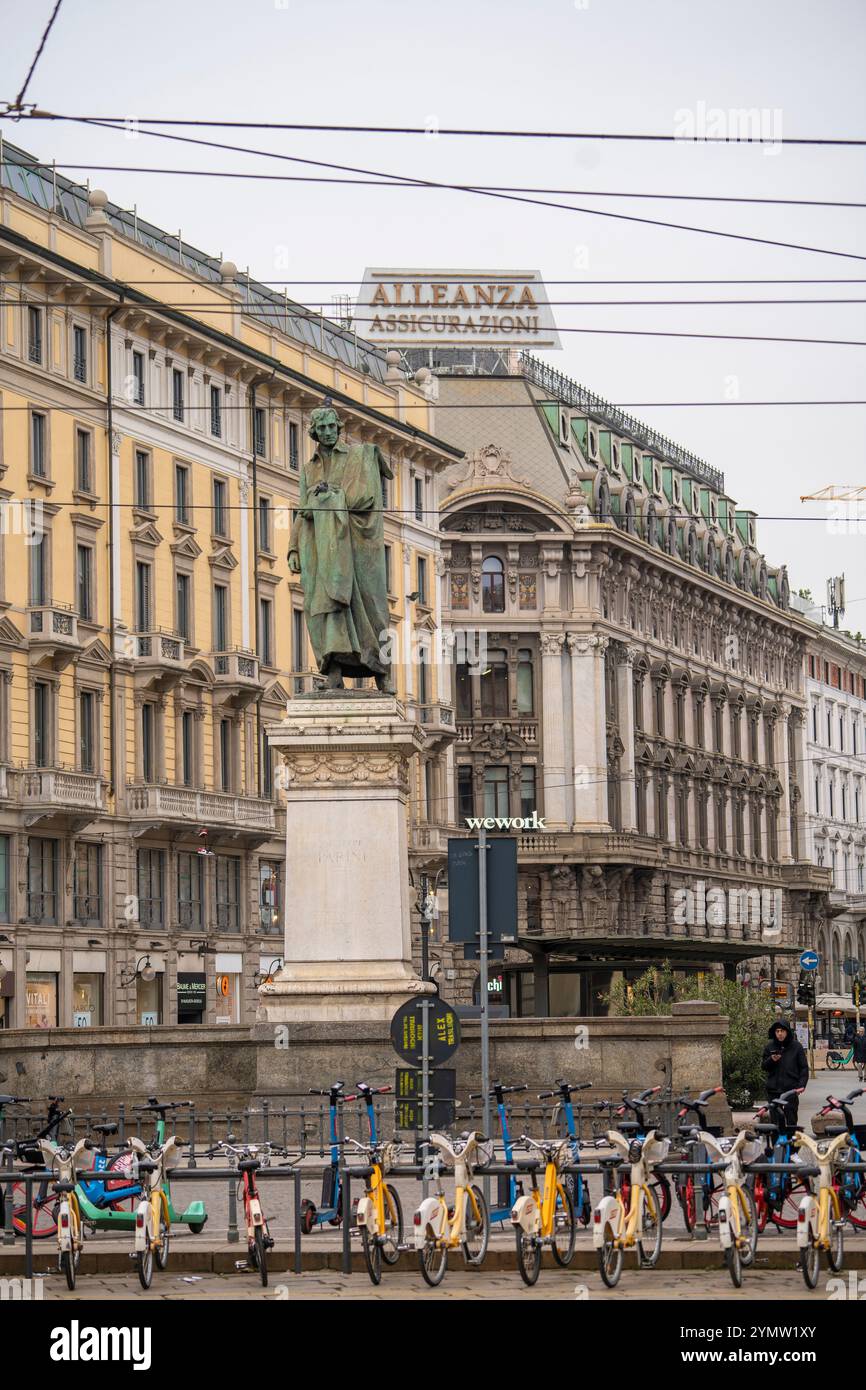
(806, 989)
(855, 992)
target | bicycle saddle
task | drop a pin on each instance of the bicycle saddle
(147, 1165)
(249, 1165)
(64, 1187)
(105, 1129)
(832, 1131)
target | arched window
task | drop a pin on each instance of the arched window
(494, 684)
(525, 693)
(493, 585)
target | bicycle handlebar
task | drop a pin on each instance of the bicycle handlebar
(497, 1090)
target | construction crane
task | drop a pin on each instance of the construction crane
(838, 492)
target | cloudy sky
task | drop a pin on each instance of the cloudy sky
(566, 65)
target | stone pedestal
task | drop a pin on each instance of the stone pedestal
(348, 952)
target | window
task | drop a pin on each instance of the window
(84, 581)
(83, 472)
(419, 498)
(494, 684)
(138, 378)
(270, 896)
(177, 394)
(39, 572)
(259, 430)
(493, 585)
(220, 513)
(42, 880)
(421, 573)
(465, 792)
(266, 631)
(151, 887)
(496, 791)
(388, 569)
(181, 494)
(294, 446)
(190, 885)
(42, 724)
(698, 707)
(4, 878)
(423, 682)
(187, 748)
(525, 697)
(299, 641)
(220, 618)
(528, 802)
(38, 455)
(142, 479)
(87, 731)
(264, 523)
(87, 896)
(464, 691)
(266, 758)
(34, 334)
(79, 353)
(143, 576)
(228, 893)
(148, 742)
(216, 410)
(183, 606)
(225, 754)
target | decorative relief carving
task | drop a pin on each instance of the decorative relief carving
(552, 643)
(347, 769)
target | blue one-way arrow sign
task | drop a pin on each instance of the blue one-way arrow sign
(809, 960)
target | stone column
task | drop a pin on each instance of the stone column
(348, 953)
(553, 714)
(784, 771)
(625, 700)
(589, 734)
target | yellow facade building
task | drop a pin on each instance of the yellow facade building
(154, 407)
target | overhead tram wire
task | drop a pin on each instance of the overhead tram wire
(466, 188)
(412, 183)
(476, 405)
(316, 308)
(37, 55)
(345, 129)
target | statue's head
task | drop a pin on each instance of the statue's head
(325, 425)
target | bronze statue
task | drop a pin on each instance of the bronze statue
(338, 548)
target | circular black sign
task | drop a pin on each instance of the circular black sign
(443, 1031)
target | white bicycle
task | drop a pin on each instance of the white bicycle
(737, 1213)
(820, 1218)
(616, 1228)
(465, 1225)
(64, 1162)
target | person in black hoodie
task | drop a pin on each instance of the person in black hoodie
(785, 1065)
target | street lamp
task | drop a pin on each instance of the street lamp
(143, 969)
(266, 979)
(427, 910)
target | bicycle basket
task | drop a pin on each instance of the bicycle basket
(484, 1153)
(390, 1154)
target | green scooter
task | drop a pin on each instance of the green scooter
(110, 1204)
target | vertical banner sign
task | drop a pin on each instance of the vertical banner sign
(463, 906)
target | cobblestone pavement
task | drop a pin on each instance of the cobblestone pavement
(759, 1287)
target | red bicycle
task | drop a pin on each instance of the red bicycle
(249, 1158)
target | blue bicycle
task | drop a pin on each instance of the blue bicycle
(508, 1187)
(850, 1187)
(576, 1186)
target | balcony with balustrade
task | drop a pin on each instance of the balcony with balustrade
(160, 803)
(55, 794)
(159, 658)
(52, 630)
(237, 676)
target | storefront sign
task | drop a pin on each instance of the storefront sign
(191, 992)
(150, 1018)
(81, 1018)
(462, 307)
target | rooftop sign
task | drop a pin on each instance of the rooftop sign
(468, 308)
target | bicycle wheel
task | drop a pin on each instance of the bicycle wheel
(433, 1261)
(748, 1227)
(810, 1265)
(734, 1265)
(686, 1195)
(786, 1213)
(477, 1229)
(528, 1256)
(393, 1237)
(144, 1264)
(372, 1254)
(759, 1193)
(44, 1219)
(609, 1258)
(836, 1252)
(164, 1244)
(69, 1265)
(649, 1247)
(564, 1230)
(261, 1255)
(123, 1164)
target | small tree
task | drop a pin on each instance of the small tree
(749, 1012)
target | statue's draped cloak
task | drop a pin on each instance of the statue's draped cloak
(339, 537)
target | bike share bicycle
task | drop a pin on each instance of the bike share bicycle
(378, 1214)
(575, 1184)
(639, 1128)
(42, 1200)
(508, 1185)
(851, 1185)
(249, 1159)
(632, 1218)
(711, 1190)
(545, 1216)
(465, 1224)
(780, 1193)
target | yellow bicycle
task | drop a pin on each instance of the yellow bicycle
(820, 1219)
(615, 1228)
(440, 1228)
(544, 1216)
